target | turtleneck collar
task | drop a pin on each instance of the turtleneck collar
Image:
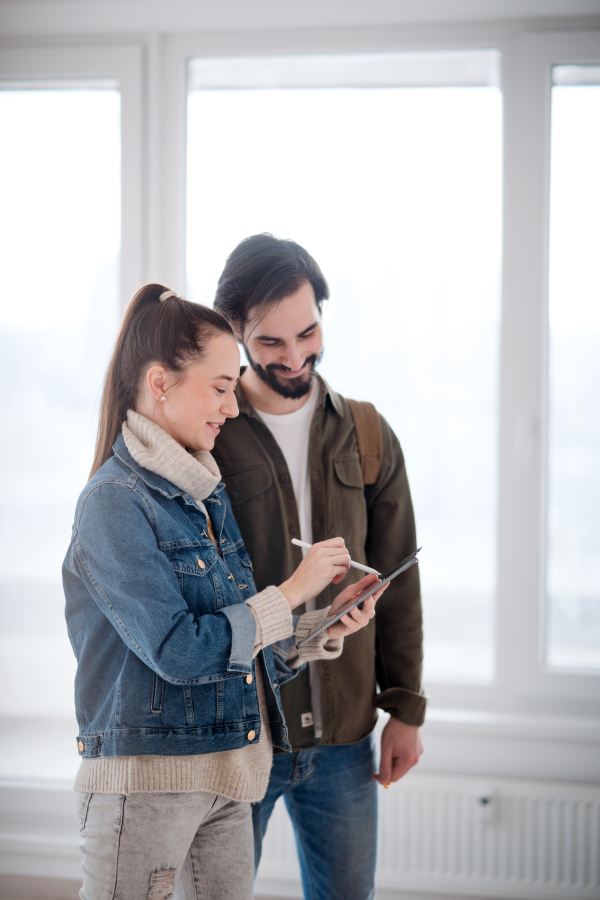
(195, 473)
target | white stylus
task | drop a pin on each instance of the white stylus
(352, 563)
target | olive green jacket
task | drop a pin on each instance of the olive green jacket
(377, 524)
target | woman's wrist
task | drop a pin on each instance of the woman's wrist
(292, 593)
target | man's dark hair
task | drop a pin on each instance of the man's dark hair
(262, 271)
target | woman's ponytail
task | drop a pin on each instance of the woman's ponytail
(169, 333)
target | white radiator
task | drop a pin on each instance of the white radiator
(461, 836)
(532, 839)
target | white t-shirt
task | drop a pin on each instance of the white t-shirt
(292, 433)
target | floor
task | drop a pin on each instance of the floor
(16, 887)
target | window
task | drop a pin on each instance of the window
(330, 149)
(60, 184)
(387, 168)
(573, 517)
(71, 186)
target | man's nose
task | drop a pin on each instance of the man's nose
(293, 358)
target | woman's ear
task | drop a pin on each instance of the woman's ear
(156, 381)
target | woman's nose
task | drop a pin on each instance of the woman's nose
(230, 407)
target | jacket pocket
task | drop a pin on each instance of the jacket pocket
(190, 559)
(244, 484)
(348, 506)
(348, 471)
(158, 694)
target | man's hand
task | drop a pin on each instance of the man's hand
(401, 748)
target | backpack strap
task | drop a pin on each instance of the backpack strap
(370, 439)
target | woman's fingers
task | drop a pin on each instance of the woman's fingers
(335, 553)
(356, 618)
(335, 550)
(331, 542)
(326, 561)
(352, 591)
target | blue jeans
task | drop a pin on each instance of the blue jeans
(332, 802)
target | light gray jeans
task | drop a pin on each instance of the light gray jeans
(186, 846)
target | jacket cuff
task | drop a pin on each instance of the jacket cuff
(321, 646)
(272, 615)
(242, 637)
(408, 706)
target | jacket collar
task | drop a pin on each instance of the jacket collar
(328, 395)
(151, 479)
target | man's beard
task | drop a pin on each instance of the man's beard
(291, 388)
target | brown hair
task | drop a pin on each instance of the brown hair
(168, 333)
(262, 271)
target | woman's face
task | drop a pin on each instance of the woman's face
(199, 400)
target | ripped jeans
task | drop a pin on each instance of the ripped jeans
(136, 847)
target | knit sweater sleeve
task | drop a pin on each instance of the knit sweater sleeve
(321, 646)
(273, 617)
(274, 623)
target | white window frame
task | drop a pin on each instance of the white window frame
(524, 381)
(123, 64)
(523, 683)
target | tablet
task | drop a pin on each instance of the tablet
(400, 567)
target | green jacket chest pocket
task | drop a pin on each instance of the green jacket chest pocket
(348, 501)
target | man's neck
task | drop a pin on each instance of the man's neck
(264, 399)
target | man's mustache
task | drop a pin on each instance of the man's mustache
(277, 367)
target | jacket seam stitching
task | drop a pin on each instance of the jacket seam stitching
(179, 681)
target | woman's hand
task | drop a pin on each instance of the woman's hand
(325, 562)
(356, 618)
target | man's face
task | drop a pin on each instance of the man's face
(284, 345)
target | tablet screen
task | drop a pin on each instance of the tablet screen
(399, 567)
(357, 600)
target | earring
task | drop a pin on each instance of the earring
(163, 397)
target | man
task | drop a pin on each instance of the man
(292, 468)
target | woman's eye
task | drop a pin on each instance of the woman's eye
(221, 391)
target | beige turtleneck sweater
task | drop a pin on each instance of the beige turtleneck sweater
(241, 774)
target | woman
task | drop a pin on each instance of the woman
(179, 659)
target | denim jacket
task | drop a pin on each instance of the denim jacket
(158, 621)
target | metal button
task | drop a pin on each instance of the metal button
(80, 746)
(251, 735)
(293, 529)
(249, 679)
(201, 563)
(284, 477)
(230, 576)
